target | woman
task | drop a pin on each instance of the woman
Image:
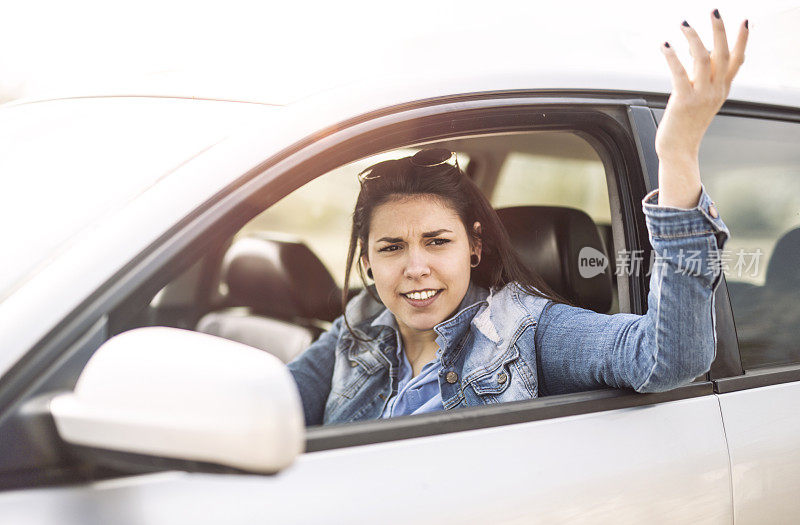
(462, 322)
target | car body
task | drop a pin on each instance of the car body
(720, 449)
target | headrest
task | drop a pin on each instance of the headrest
(782, 270)
(564, 247)
(280, 277)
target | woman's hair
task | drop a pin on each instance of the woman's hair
(394, 179)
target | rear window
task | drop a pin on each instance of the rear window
(751, 168)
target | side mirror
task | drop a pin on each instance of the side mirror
(184, 395)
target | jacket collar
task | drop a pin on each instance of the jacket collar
(496, 315)
(500, 320)
(363, 307)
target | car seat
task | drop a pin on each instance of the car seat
(550, 240)
(280, 296)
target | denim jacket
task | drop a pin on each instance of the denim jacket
(508, 345)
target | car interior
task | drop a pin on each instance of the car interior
(270, 288)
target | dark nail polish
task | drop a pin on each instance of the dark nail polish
(685, 23)
(666, 44)
(716, 13)
(745, 25)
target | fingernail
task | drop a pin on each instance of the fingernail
(685, 23)
(716, 13)
(666, 44)
(745, 25)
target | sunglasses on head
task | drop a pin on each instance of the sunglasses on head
(426, 158)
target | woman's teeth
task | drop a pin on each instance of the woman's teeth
(427, 294)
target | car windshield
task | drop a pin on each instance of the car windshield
(67, 164)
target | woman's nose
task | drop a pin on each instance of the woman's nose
(417, 265)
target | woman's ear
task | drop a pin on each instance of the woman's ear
(477, 244)
(365, 265)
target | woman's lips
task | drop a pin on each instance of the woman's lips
(422, 303)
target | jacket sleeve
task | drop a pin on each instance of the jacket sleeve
(313, 370)
(674, 342)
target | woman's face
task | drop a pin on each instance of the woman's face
(419, 253)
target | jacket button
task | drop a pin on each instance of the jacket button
(502, 378)
(451, 377)
(712, 210)
(353, 364)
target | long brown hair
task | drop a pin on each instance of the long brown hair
(382, 182)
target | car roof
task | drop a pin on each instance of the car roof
(389, 89)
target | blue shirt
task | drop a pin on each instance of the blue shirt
(415, 395)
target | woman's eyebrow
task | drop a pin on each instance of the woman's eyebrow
(436, 233)
(424, 235)
(390, 239)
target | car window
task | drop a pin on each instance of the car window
(555, 169)
(310, 228)
(547, 180)
(751, 168)
(281, 276)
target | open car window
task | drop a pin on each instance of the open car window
(553, 169)
(281, 278)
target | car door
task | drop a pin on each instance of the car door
(751, 164)
(601, 456)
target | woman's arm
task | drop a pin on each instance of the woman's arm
(691, 108)
(313, 370)
(675, 341)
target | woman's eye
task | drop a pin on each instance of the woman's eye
(439, 242)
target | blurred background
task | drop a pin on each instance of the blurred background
(285, 51)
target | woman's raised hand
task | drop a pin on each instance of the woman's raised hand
(691, 107)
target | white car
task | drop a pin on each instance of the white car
(135, 224)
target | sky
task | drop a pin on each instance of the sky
(299, 48)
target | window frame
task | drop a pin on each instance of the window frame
(602, 118)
